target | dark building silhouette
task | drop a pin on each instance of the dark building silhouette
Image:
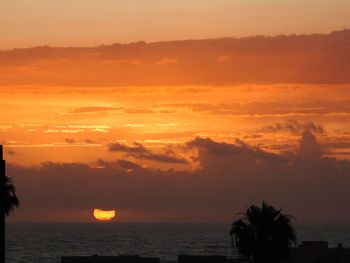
(202, 259)
(109, 259)
(319, 252)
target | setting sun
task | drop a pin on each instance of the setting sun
(134, 131)
(103, 215)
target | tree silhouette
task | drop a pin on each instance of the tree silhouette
(11, 200)
(263, 233)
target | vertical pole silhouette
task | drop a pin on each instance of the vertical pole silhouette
(2, 207)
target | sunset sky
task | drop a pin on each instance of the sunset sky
(27, 23)
(176, 131)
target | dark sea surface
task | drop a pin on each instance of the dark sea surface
(48, 242)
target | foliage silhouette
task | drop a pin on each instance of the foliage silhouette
(263, 233)
(8, 203)
(11, 200)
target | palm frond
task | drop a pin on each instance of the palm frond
(11, 199)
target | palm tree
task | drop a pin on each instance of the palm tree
(8, 202)
(11, 200)
(263, 233)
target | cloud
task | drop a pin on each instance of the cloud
(138, 111)
(93, 109)
(166, 61)
(128, 165)
(229, 177)
(70, 141)
(293, 126)
(280, 107)
(240, 150)
(89, 141)
(317, 59)
(140, 152)
(77, 128)
(338, 143)
(309, 148)
(134, 125)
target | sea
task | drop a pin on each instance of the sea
(35, 243)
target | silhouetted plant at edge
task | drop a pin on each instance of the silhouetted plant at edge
(263, 234)
(11, 200)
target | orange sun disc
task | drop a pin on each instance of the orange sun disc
(104, 215)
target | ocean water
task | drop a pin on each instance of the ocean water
(35, 243)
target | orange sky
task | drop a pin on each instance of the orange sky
(180, 131)
(25, 23)
(177, 153)
(75, 124)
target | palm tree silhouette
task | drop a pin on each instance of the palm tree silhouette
(9, 202)
(263, 233)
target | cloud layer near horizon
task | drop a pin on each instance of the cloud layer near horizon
(311, 187)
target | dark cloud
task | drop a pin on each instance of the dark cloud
(75, 141)
(339, 144)
(140, 152)
(294, 126)
(309, 147)
(280, 59)
(239, 149)
(230, 177)
(70, 141)
(339, 153)
(128, 165)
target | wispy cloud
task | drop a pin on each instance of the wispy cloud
(293, 126)
(141, 152)
(138, 110)
(166, 61)
(77, 128)
(94, 109)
